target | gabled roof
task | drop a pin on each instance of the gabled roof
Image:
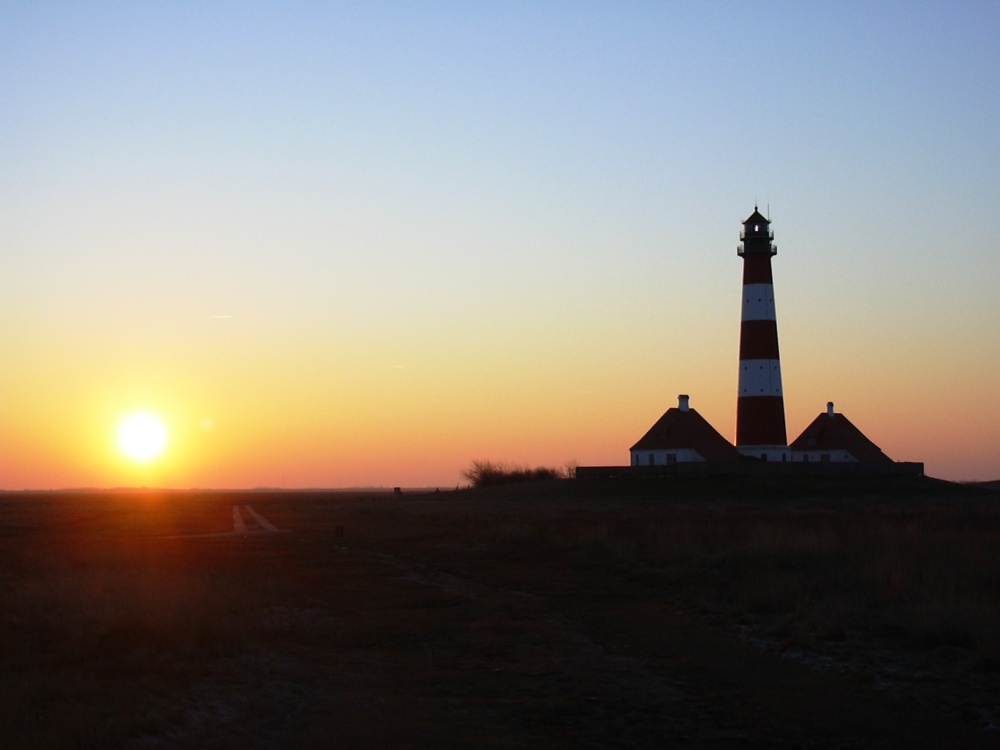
(831, 431)
(679, 429)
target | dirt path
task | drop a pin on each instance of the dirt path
(258, 525)
(265, 525)
(239, 527)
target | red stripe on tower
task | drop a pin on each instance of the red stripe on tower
(760, 407)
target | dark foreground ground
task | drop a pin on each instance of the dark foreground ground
(698, 615)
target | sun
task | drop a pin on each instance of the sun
(142, 436)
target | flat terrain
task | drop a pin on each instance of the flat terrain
(694, 615)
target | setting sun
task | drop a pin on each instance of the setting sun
(142, 436)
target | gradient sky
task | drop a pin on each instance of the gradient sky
(364, 244)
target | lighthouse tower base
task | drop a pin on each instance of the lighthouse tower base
(777, 453)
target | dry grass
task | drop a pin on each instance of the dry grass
(925, 573)
(113, 630)
(98, 599)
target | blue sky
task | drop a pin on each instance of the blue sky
(529, 205)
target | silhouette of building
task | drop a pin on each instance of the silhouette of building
(681, 442)
(681, 435)
(832, 437)
(760, 407)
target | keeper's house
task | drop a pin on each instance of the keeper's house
(832, 437)
(682, 436)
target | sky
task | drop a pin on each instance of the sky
(364, 244)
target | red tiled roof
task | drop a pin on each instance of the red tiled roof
(836, 432)
(687, 429)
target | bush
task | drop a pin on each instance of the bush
(488, 474)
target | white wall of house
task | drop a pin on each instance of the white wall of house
(666, 457)
(834, 456)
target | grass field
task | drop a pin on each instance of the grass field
(693, 614)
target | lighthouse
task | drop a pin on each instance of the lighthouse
(760, 406)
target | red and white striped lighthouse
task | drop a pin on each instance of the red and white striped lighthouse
(760, 408)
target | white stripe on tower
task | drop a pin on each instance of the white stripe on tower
(760, 377)
(758, 302)
(760, 406)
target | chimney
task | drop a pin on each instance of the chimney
(829, 408)
(682, 402)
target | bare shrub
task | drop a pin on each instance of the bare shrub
(489, 474)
